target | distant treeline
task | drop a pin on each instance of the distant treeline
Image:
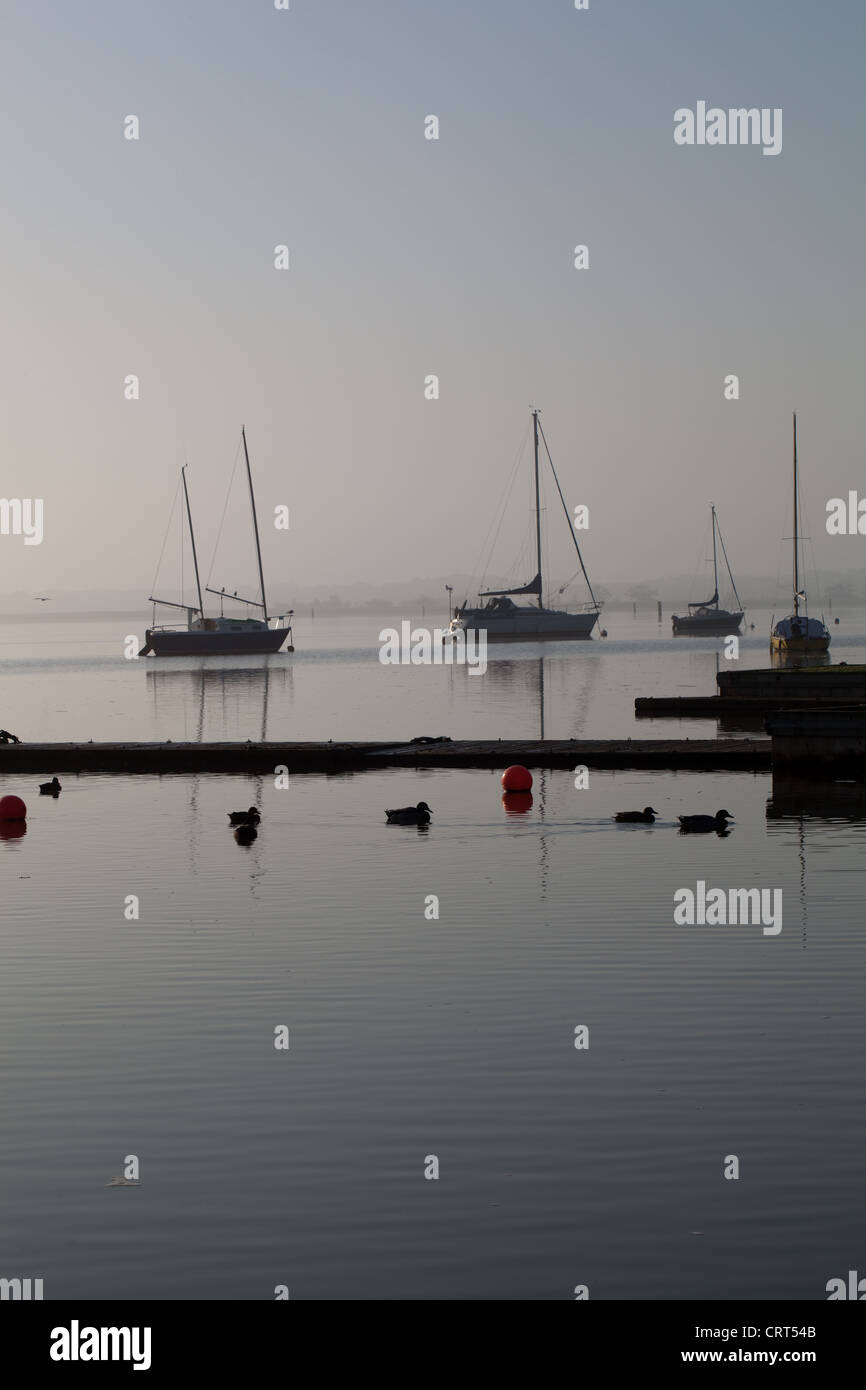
(756, 591)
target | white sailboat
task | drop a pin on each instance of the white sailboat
(219, 636)
(506, 621)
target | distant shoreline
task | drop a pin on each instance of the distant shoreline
(321, 611)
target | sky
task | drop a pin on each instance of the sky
(411, 257)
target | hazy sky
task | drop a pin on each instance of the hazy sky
(411, 257)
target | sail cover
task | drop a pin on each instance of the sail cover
(709, 603)
(533, 587)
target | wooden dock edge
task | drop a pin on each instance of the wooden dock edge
(741, 754)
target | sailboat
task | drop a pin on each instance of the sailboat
(708, 619)
(222, 636)
(506, 621)
(798, 634)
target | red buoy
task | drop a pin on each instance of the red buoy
(516, 779)
(12, 808)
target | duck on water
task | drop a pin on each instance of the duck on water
(645, 817)
(702, 825)
(52, 788)
(410, 815)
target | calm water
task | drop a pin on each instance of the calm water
(413, 1037)
(69, 680)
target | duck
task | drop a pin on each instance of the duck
(246, 833)
(703, 824)
(250, 817)
(52, 788)
(410, 815)
(645, 817)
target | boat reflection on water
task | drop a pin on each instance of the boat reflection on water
(558, 694)
(794, 797)
(222, 693)
(221, 696)
(785, 660)
(795, 800)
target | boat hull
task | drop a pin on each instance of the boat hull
(799, 635)
(798, 646)
(721, 624)
(527, 625)
(191, 643)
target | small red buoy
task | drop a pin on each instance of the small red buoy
(12, 808)
(516, 779)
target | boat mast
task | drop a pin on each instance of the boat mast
(537, 508)
(571, 529)
(715, 562)
(192, 539)
(727, 563)
(255, 526)
(796, 538)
